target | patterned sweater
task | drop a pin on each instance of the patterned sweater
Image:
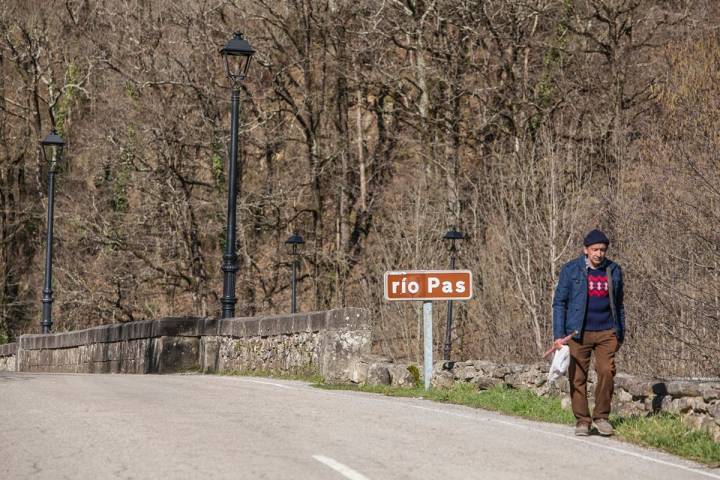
(599, 315)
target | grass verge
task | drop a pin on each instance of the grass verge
(667, 432)
(663, 431)
(522, 403)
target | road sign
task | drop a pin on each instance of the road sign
(427, 285)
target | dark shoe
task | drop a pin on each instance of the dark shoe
(603, 427)
(582, 429)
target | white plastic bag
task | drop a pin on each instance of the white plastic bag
(560, 363)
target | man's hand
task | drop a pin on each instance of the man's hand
(559, 343)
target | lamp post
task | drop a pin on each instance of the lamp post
(237, 53)
(52, 147)
(294, 240)
(452, 235)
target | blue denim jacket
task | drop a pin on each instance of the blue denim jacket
(571, 294)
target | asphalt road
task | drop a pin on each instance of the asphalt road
(207, 427)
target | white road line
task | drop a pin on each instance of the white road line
(343, 470)
(261, 382)
(512, 424)
(563, 436)
(580, 440)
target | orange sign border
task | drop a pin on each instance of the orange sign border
(425, 299)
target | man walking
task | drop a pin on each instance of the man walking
(588, 304)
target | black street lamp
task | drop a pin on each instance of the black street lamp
(52, 147)
(294, 240)
(452, 235)
(237, 53)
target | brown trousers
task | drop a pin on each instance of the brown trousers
(604, 344)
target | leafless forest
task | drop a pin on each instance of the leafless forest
(370, 127)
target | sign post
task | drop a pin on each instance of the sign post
(426, 286)
(427, 344)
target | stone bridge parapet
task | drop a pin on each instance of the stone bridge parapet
(325, 343)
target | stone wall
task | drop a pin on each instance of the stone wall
(8, 353)
(324, 343)
(327, 343)
(698, 402)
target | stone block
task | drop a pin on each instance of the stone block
(522, 379)
(400, 376)
(710, 392)
(500, 371)
(516, 367)
(485, 383)
(71, 339)
(467, 363)
(635, 386)
(683, 389)
(513, 380)
(114, 333)
(138, 330)
(114, 366)
(8, 349)
(714, 410)
(97, 335)
(228, 327)
(359, 372)
(177, 354)
(699, 422)
(209, 326)
(114, 351)
(178, 327)
(536, 378)
(252, 327)
(339, 350)
(231, 327)
(680, 405)
(542, 367)
(99, 352)
(269, 326)
(317, 321)
(442, 378)
(347, 319)
(629, 409)
(466, 373)
(483, 365)
(698, 404)
(378, 374)
(103, 367)
(285, 325)
(45, 358)
(623, 396)
(300, 323)
(30, 342)
(209, 352)
(336, 319)
(80, 338)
